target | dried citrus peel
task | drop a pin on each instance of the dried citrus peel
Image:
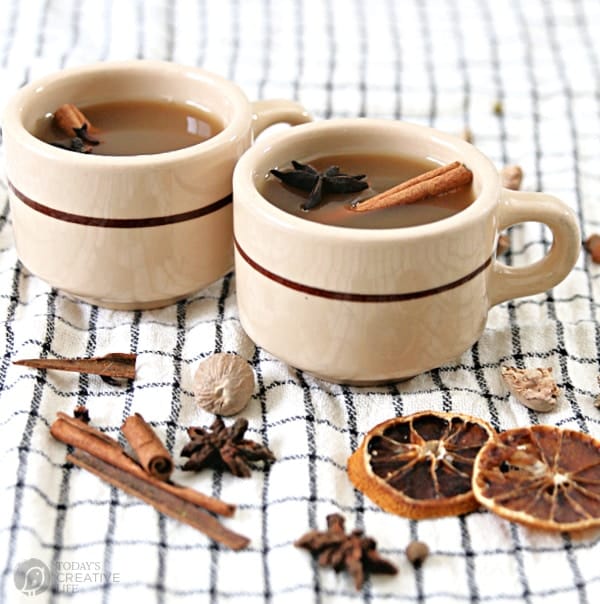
(420, 466)
(541, 476)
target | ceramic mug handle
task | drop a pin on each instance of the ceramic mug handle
(274, 111)
(508, 282)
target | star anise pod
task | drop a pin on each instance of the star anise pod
(307, 178)
(81, 143)
(76, 144)
(84, 135)
(223, 448)
(354, 552)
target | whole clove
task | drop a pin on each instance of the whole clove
(82, 414)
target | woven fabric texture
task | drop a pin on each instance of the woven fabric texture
(524, 78)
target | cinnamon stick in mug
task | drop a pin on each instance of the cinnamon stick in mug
(151, 453)
(72, 121)
(434, 182)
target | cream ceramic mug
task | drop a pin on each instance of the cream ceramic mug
(130, 232)
(373, 305)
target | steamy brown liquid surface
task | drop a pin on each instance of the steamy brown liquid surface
(383, 172)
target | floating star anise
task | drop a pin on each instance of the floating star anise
(76, 144)
(223, 448)
(84, 135)
(307, 178)
(80, 143)
(354, 552)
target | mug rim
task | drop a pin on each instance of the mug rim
(248, 169)
(12, 119)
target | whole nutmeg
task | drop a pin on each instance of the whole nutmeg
(223, 383)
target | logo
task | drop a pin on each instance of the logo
(32, 577)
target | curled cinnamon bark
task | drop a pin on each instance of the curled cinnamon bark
(76, 433)
(434, 182)
(151, 453)
(72, 121)
(164, 502)
(112, 365)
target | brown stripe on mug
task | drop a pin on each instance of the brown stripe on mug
(120, 223)
(350, 297)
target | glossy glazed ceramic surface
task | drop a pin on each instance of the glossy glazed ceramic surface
(138, 231)
(360, 306)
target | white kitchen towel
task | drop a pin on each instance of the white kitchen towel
(524, 78)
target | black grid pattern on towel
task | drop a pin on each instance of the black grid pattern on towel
(443, 63)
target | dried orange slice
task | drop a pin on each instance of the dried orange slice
(541, 476)
(420, 465)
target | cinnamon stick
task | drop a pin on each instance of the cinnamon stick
(76, 433)
(164, 502)
(151, 453)
(71, 120)
(66, 426)
(434, 182)
(114, 365)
